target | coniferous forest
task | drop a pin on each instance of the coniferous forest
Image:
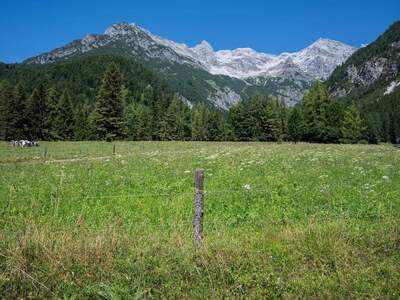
(112, 98)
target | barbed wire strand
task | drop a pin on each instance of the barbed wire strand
(144, 195)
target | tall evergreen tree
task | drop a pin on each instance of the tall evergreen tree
(371, 133)
(147, 96)
(217, 129)
(352, 127)
(295, 125)
(83, 129)
(64, 119)
(335, 115)
(52, 99)
(38, 114)
(200, 121)
(177, 120)
(19, 111)
(258, 122)
(138, 122)
(7, 113)
(276, 119)
(241, 122)
(315, 106)
(108, 115)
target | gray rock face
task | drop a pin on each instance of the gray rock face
(396, 45)
(368, 73)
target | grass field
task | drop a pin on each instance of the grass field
(281, 221)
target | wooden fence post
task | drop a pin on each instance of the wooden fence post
(45, 154)
(114, 150)
(198, 209)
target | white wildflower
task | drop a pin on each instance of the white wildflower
(247, 187)
(385, 177)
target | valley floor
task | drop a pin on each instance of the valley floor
(281, 221)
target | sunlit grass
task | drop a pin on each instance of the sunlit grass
(281, 220)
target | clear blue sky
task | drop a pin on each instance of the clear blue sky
(30, 27)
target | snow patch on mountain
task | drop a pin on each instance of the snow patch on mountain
(391, 87)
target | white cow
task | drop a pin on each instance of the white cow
(24, 143)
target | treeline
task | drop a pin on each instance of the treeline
(120, 113)
(116, 112)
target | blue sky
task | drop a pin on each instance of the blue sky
(30, 27)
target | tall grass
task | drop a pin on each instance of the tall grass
(281, 221)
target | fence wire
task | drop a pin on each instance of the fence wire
(161, 193)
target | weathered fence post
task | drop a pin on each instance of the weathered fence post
(198, 209)
(45, 154)
(114, 150)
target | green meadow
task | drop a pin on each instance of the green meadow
(281, 221)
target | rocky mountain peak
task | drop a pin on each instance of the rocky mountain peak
(204, 52)
(204, 46)
(122, 29)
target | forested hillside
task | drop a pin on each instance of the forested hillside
(82, 77)
(371, 79)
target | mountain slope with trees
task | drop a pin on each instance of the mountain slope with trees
(110, 98)
(371, 79)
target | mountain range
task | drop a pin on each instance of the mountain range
(200, 73)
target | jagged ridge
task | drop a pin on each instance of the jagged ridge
(253, 69)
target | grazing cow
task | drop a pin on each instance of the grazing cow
(24, 143)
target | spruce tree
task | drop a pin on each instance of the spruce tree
(200, 121)
(335, 115)
(138, 126)
(108, 115)
(241, 122)
(83, 129)
(177, 120)
(38, 114)
(53, 98)
(6, 105)
(295, 125)
(315, 112)
(217, 130)
(275, 125)
(352, 127)
(258, 118)
(20, 122)
(64, 119)
(371, 132)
